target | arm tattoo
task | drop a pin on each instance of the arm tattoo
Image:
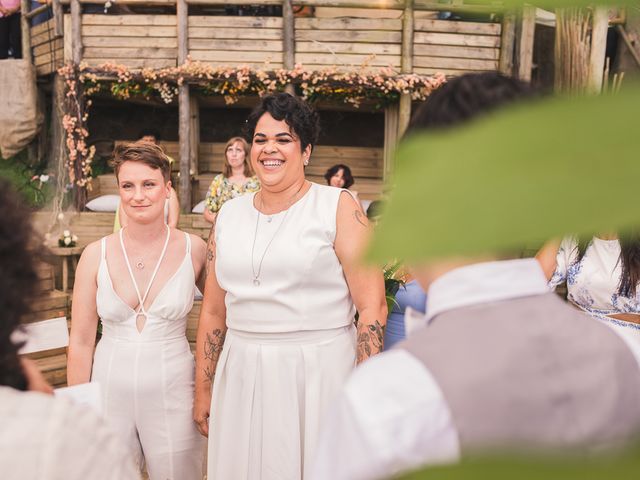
(370, 340)
(212, 350)
(360, 218)
(211, 249)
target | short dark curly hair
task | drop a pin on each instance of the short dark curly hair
(466, 97)
(346, 174)
(17, 282)
(297, 114)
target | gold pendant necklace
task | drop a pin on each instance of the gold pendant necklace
(256, 274)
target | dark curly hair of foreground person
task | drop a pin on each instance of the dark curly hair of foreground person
(18, 280)
(301, 118)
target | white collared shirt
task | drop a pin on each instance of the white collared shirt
(391, 415)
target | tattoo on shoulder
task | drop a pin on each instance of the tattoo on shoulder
(370, 340)
(361, 218)
(212, 349)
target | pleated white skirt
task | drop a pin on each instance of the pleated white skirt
(269, 394)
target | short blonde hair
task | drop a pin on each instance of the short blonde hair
(143, 152)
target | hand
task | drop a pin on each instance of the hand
(201, 410)
(35, 380)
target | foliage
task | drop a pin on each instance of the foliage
(618, 466)
(392, 282)
(522, 175)
(31, 182)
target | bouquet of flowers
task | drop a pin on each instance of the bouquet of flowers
(67, 239)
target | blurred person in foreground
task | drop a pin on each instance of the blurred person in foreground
(501, 364)
(41, 436)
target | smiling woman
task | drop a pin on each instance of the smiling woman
(284, 282)
(140, 282)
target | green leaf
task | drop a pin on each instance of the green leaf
(623, 466)
(520, 176)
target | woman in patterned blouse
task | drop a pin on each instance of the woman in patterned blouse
(237, 178)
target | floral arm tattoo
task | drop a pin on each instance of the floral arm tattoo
(211, 249)
(370, 339)
(212, 350)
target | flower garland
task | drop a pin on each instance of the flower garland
(74, 122)
(383, 87)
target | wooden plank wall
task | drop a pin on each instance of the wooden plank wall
(348, 43)
(48, 51)
(455, 47)
(137, 41)
(250, 41)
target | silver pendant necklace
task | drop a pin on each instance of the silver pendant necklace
(256, 274)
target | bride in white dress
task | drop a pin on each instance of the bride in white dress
(277, 323)
(140, 281)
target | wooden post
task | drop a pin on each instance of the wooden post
(507, 43)
(406, 65)
(57, 148)
(76, 31)
(524, 42)
(58, 18)
(25, 6)
(194, 133)
(390, 138)
(288, 35)
(184, 130)
(600, 25)
(288, 40)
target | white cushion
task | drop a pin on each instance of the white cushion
(104, 203)
(199, 208)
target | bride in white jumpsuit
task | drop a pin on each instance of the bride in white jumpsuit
(140, 282)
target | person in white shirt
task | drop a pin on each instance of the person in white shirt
(497, 365)
(42, 437)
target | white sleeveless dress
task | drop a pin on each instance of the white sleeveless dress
(290, 343)
(147, 377)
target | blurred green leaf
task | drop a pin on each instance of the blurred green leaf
(625, 466)
(522, 175)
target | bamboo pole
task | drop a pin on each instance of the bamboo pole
(184, 109)
(507, 43)
(76, 31)
(25, 28)
(599, 27)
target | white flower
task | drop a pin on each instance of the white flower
(61, 216)
(74, 238)
(66, 233)
(67, 240)
(44, 178)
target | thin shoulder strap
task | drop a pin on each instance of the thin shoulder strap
(103, 248)
(187, 238)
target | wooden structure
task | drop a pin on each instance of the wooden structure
(405, 35)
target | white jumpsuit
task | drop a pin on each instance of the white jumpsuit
(147, 377)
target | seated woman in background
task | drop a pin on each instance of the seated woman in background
(340, 176)
(409, 295)
(602, 277)
(236, 179)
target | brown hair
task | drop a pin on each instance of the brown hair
(143, 152)
(248, 171)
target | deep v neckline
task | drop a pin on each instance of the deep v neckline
(152, 304)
